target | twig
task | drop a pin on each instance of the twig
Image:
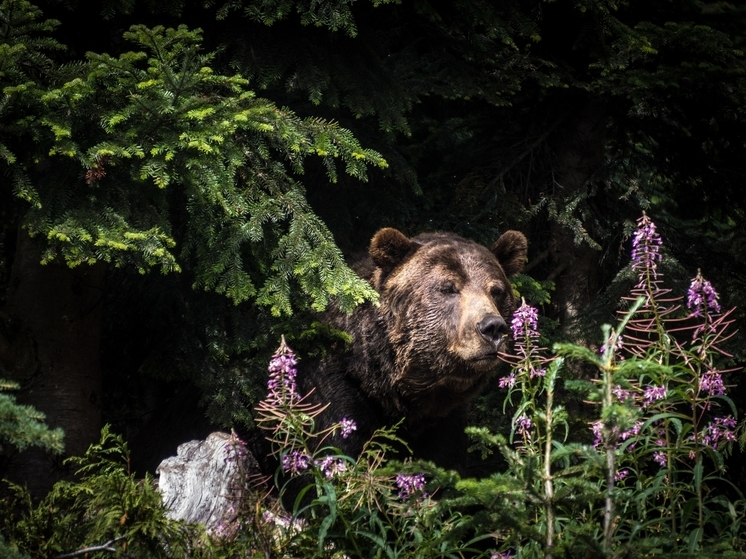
(103, 547)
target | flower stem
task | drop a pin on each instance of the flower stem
(548, 480)
(610, 469)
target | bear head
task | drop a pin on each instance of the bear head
(445, 304)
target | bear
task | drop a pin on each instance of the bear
(426, 349)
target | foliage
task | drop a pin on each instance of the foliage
(9, 552)
(107, 511)
(23, 426)
(161, 122)
(335, 15)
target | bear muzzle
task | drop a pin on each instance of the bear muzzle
(482, 335)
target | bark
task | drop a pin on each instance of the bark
(50, 346)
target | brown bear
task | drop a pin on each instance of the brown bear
(427, 348)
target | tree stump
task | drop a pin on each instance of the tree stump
(206, 482)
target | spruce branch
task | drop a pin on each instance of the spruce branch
(23, 426)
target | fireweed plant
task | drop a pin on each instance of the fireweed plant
(651, 482)
(346, 506)
(667, 419)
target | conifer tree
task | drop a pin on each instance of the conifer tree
(149, 159)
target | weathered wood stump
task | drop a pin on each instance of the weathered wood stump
(207, 481)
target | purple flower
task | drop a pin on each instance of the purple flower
(711, 384)
(598, 433)
(615, 436)
(235, 450)
(501, 555)
(702, 300)
(621, 393)
(620, 475)
(653, 393)
(330, 466)
(524, 325)
(646, 247)
(281, 386)
(347, 426)
(410, 485)
(295, 462)
(634, 432)
(617, 344)
(661, 458)
(523, 425)
(507, 382)
(525, 322)
(537, 372)
(702, 297)
(721, 429)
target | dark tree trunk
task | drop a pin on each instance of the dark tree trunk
(579, 156)
(52, 331)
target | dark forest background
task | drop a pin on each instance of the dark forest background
(166, 216)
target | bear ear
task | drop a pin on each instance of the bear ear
(511, 250)
(389, 247)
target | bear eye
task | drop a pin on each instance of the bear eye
(448, 288)
(497, 293)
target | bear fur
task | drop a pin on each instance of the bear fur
(427, 348)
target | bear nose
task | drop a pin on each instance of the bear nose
(492, 328)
